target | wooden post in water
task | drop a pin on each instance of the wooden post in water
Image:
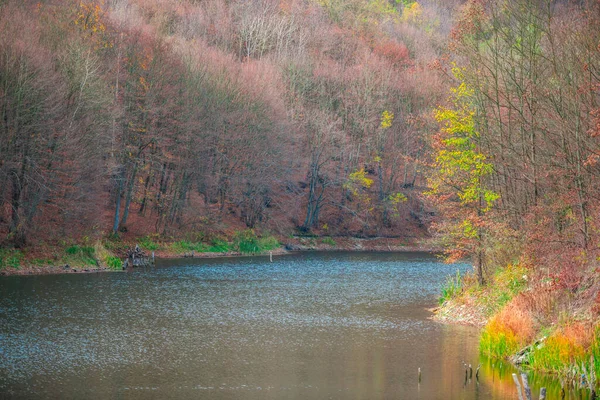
(419, 374)
(516, 379)
(271, 256)
(543, 393)
(526, 386)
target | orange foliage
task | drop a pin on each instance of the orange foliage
(518, 320)
(579, 334)
(396, 53)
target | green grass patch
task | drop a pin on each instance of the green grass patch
(328, 240)
(497, 342)
(42, 262)
(184, 246)
(268, 243)
(563, 354)
(452, 288)
(80, 255)
(148, 243)
(113, 262)
(248, 243)
(219, 246)
(107, 257)
(506, 284)
(10, 258)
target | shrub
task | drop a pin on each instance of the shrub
(268, 243)
(246, 242)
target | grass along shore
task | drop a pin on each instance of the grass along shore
(108, 254)
(532, 320)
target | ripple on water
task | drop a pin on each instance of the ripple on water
(166, 326)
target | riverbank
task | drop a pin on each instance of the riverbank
(532, 320)
(108, 255)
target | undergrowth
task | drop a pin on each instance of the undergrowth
(572, 352)
(328, 240)
(10, 258)
(505, 285)
(80, 255)
(523, 316)
(243, 242)
(113, 262)
(452, 288)
(148, 243)
(247, 242)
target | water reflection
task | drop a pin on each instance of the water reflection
(308, 326)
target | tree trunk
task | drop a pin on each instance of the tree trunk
(129, 196)
(119, 178)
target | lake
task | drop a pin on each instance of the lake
(306, 326)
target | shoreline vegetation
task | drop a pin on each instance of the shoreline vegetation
(109, 254)
(527, 319)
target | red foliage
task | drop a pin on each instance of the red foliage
(395, 52)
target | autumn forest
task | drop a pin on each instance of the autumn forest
(166, 117)
(470, 126)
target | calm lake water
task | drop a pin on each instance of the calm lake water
(307, 326)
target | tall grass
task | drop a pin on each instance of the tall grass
(217, 246)
(507, 332)
(247, 242)
(452, 288)
(106, 257)
(80, 255)
(572, 352)
(498, 342)
(113, 262)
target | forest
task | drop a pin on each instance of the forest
(474, 125)
(163, 117)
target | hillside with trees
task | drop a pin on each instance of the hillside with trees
(473, 123)
(138, 117)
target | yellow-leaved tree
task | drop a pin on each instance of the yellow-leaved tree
(459, 181)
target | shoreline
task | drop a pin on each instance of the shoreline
(451, 313)
(495, 326)
(296, 245)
